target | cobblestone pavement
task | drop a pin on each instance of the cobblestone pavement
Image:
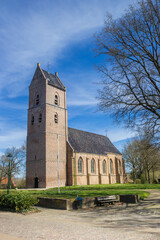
(117, 222)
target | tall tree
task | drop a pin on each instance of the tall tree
(132, 157)
(142, 157)
(131, 67)
(149, 155)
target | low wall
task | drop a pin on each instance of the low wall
(53, 203)
(65, 204)
(70, 204)
(129, 198)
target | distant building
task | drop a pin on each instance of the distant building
(58, 154)
(4, 182)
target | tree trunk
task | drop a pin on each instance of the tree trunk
(153, 174)
(133, 174)
(145, 173)
(148, 176)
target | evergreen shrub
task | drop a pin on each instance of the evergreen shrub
(17, 202)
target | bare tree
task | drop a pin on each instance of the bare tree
(131, 65)
(17, 162)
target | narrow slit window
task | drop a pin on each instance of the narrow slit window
(56, 118)
(40, 118)
(56, 99)
(32, 120)
(37, 99)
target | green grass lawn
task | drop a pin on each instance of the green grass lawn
(94, 190)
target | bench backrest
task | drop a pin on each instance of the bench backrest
(109, 197)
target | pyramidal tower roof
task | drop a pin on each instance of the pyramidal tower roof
(53, 80)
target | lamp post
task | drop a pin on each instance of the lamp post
(58, 163)
(9, 156)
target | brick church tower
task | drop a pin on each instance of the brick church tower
(47, 131)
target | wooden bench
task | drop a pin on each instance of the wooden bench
(107, 199)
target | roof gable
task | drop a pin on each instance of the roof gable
(54, 80)
(38, 77)
(87, 142)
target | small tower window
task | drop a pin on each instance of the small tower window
(56, 99)
(40, 118)
(32, 120)
(37, 99)
(56, 118)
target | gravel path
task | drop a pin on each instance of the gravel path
(117, 222)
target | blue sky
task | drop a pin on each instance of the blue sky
(59, 35)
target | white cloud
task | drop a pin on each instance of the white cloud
(15, 137)
(82, 95)
(118, 134)
(81, 89)
(11, 105)
(42, 32)
(11, 134)
(1, 153)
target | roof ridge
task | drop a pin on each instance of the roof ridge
(60, 81)
(42, 72)
(89, 132)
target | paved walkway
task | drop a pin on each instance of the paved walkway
(117, 222)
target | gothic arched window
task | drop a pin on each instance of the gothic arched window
(120, 167)
(56, 99)
(92, 166)
(37, 99)
(80, 165)
(104, 166)
(40, 117)
(111, 166)
(56, 117)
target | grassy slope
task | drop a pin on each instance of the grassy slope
(95, 190)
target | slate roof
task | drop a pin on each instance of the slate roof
(4, 181)
(87, 142)
(54, 80)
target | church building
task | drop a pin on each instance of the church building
(58, 155)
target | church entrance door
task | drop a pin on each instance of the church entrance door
(36, 182)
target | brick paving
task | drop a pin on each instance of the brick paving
(117, 222)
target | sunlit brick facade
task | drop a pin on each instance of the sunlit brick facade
(60, 155)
